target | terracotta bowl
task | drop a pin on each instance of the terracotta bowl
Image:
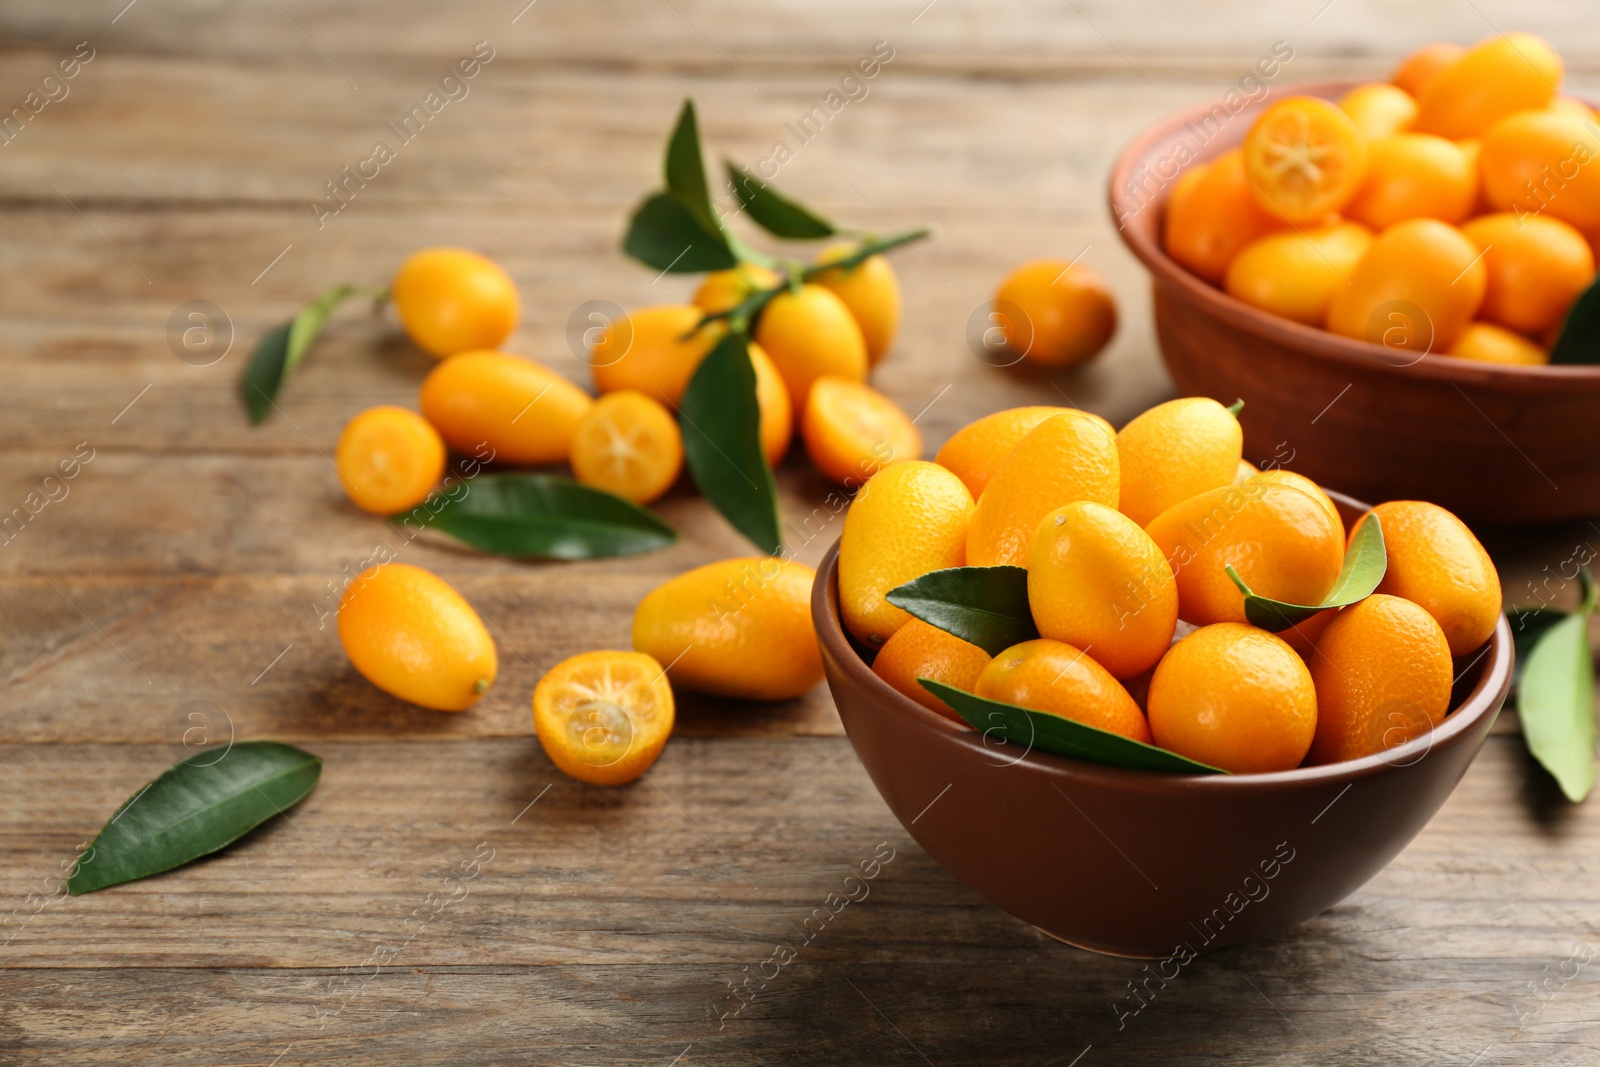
(1489, 442)
(1137, 863)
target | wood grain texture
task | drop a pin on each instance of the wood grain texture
(192, 550)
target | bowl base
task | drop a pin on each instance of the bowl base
(1098, 951)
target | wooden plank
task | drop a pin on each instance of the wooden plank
(607, 923)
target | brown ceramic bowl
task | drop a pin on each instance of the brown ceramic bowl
(1489, 442)
(1136, 863)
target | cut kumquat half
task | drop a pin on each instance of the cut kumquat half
(1305, 158)
(851, 430)
(603, 717)
(628, 444)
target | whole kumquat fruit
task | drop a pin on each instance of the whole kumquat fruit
(1504, 74)
(976, 451)
(1281, 541)
(653, 351)
(921, 650)
(1413, 176)
(870, 290)
(910, 518)
(1488, 343)
(389, 459)
(1211, 220)
(1436, 563)
(777, 410)
(1382, 671)
(1056, 313)
(1379, 109)
(1280, 476)
(1057, 679)
(1418, 69)
(725, 290)
(1544, 163)
(810, 333)
(1295, 274)
(1415, 290)
(1304, 159)
(851, 430)
(523, 412)
(1234, 697)
(1097, 582)
(1175, 451)
(412, 635)
(603, 717)
(1067, 457)
(450, 300)
(628, 444)
(738, 628)
(1537, 265)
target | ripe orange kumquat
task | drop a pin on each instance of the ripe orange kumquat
(921, 650)
(1308, 487)
(1212, 217)
(1537, 265)
(1504, 74)
(513, 406)
(1055, 313)
(810, 334)
(1295, 274)
(654, 351)
(628, 444)
(1417, 71)
(450, 300)
(1415, 175)
(1379, 109)
(1436, 563)
(1487, 343)
(1057, 679)
(389, 460)
(1544, 163)
(1234, 697)
(1415, 290)
(872, 293)
(976, 451)
(1175, 451)
(851, 430)
(603, 717)
(1304, 158)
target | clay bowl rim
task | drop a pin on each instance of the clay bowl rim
(1272, 328)
(1485, 698)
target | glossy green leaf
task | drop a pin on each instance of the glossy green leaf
(196, 807)
(1011, 732)
(1365, 562)
(721, 425)
(1579, 341)
(1555, 700)
(666, 234)
(540, 516)
(986, 606)
(685, 169)
(774, 212)
(283, 349)
(263, 375)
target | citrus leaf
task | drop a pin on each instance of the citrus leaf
(1527, 626)
(685, 169)
(722, 443)
(1555, 700)
(1579, 341)
(1029, 730)
(541, 516)
(263, 375)
(197, 806)
(984, 606)
(1365, 562)
(773, 212)
(666, 234)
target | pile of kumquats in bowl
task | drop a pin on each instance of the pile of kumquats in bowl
(1464, 191)
(1044, 563)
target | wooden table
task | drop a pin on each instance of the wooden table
(191, 558)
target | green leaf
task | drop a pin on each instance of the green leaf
(283, 349)
(540, 516)
(196, 807)
(1527, 626)
(685, 168)
(263, 375)
(722, 443)
(666, 234)
(985, 606)
(1555, 700)
(1579, 341)
(775, 213)
(1030, 730)
(1364, 564)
